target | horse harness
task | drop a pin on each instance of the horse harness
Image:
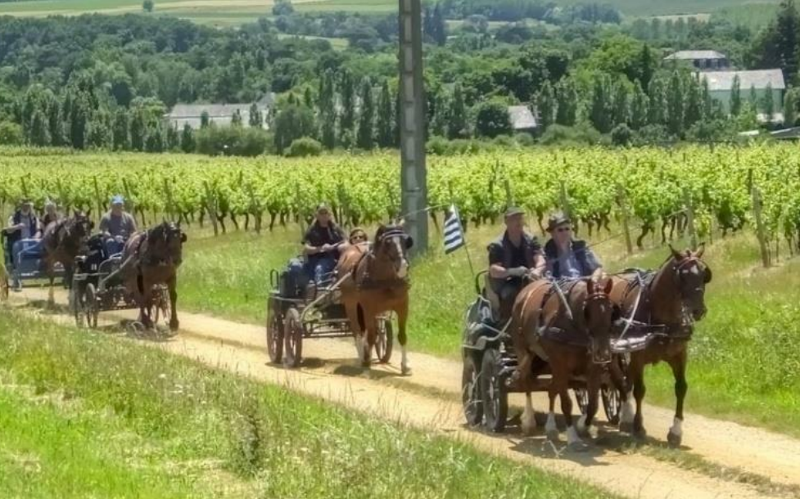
(368, 283)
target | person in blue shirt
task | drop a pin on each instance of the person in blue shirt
(566, 256)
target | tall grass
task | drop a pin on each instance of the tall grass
(261, 441)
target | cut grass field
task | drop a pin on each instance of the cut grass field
(87, 415)
(742, 366)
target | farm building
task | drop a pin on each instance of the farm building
(522, 119)
(703, 60)
(720, 84)
(219, 114)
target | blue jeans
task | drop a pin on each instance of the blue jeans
(318, 269)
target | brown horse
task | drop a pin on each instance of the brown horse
(377, 284)
(672, 297)
(62, 242)
(568, 327)
(151, 258)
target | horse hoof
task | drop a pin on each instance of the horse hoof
(640, 433)
(584, 431)
(405, 371)
(528, 430)
(552, 435)
(173, 326)
(674, 440)
(625, 427)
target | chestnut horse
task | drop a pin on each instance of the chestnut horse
(62, 242)
(151, 258)
(672, 297)
(568, 326)
(373, 282)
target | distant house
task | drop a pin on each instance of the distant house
(522, 119)
(219, 114)
(720, 84)
(703, 60)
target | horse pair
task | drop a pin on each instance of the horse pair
(149, 258)
(570, 330)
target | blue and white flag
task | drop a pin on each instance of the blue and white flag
(453, 232)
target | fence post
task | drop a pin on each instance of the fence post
(623, 206)
(760, 230)
(210, 206)
(689, 207)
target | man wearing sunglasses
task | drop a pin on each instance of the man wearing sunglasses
(512, 257)
(567, 257)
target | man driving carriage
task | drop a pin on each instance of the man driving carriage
(567, 257)
(117, 226)
(22, 235)
(512, 257)
(320, 249)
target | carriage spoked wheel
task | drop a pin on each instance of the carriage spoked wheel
(5, 283)
(274, 333)
(76, 303)
(292, 338)
(609, 397)
(385, 340)
(87, 302)
(493, 392)
(471, 398)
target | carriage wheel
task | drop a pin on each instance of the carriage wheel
(90, 306)
(76, 303)
(385, 340)
(5, 283)
(274, 334)
(293, 338)
(582, 398)
(493, 392)
(471, 397)
(612, 403)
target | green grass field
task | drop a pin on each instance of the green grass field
(234, 12)
(742, 365)
(87, 415)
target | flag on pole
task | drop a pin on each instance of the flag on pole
(453, 232)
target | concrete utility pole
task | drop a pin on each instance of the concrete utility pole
(413, 174)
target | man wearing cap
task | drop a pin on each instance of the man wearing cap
(22, 225)
(117, 226)
(320, 245)
(512, 257)
(567, 258)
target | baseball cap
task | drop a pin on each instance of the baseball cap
(117, 199)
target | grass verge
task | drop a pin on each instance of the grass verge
(253, 440)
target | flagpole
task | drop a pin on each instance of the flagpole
(466, 244)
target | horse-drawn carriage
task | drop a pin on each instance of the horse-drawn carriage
(490, 361)
(97, 286)
(296, 313)
(24, 263)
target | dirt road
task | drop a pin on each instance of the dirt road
(428, 399)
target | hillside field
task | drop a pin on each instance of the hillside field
(234, 12)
